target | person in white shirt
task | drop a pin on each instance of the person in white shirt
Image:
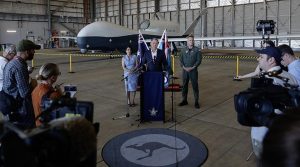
(269, 61)
(8, 54)
(290, 60)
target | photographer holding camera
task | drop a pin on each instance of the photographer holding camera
(266, 43)
(269, 61)
(47, 76)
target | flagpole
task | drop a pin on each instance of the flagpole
(173, 63)
(162, 37)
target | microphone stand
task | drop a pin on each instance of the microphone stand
(127, 114)
(172, 99)
(138, 71)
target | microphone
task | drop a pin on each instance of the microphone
(124, 78)
(145, 64)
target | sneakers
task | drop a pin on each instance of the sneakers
(197, 105)
(183, 103)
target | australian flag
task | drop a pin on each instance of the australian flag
(165, 46)
(142, 47)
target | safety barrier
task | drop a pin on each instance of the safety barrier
(238, 62)
(236, 57)
(89, 55)
(70, 55)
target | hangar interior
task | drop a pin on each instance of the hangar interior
(54, 25)
(223, 18)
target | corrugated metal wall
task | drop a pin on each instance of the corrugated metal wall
(227, 20)
(32, 16)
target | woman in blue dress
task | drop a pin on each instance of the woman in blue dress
(130, 64)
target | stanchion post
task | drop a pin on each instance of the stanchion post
(32, 63)
(70, 63)
(237, 66)
(173, 64)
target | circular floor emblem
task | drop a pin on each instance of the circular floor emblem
(154, 147)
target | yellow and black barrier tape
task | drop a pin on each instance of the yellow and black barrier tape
(118, 56)
(51, 54)
(229, 57)
(81, 55)
(96, 55)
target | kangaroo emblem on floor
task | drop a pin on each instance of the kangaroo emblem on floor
(151, 146)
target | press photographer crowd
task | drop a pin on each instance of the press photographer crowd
(271, 107)
(32, 132)
(44, 126)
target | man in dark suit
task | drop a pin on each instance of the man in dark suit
(154, 59)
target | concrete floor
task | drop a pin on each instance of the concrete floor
(214, 123)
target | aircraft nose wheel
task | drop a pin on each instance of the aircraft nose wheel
(83, 51)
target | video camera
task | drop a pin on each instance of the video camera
(256, 105)
(65, 106)
(265, 27)
(59, 142)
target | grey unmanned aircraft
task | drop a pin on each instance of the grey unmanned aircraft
(107, 36)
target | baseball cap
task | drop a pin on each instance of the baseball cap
(272, 52)
(25, 44)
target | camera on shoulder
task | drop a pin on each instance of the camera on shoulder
(255, 106)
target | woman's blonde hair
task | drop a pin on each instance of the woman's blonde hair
(48, 70)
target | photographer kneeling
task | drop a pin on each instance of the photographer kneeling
(269, 61)
(47, 76)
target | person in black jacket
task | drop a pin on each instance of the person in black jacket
(154, 59)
